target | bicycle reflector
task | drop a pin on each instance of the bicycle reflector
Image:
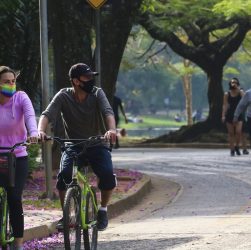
(7, 167)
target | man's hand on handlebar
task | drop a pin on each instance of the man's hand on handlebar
(42, 135)
(111, 135)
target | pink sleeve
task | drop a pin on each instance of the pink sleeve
(29, 115)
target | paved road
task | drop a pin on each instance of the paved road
(211, 212)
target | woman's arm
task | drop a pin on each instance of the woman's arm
(224, 107)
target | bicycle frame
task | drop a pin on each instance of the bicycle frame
(4, 204)
(77, 178)
(87, 188)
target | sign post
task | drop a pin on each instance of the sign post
(47, 158)
(96, 4)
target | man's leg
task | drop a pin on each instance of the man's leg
(61, 194)
(105, 197)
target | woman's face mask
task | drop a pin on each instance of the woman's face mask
(7, 90)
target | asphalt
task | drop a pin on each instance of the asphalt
(42, 223)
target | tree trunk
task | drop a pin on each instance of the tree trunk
(70, 33)
(116, 26)
(188, 96)
(215, 97)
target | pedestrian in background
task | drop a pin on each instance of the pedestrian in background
(244, 106)
(116, 105)
(230, 101)
(17, 121)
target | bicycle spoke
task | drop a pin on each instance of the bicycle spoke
(72, 227)
(91, 234)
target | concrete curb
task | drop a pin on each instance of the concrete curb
(119, 205)
(134, 195)
(177, 145)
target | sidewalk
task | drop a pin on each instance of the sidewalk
(41, 223)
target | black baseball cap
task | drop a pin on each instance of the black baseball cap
(80, 69)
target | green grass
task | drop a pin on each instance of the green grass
(152, 122)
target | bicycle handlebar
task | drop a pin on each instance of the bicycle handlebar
(85, 143)
(11, 149)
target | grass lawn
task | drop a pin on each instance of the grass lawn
(152, 122)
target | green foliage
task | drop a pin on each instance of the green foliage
(19, 21)
(232, 8)
(33, 153)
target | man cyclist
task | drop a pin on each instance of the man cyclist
(82, 108)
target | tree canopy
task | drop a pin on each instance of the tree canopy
(212, 36)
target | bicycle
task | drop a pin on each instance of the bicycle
(7, 168)
(80, 204)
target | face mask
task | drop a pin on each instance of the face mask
(8, 90)
(233, 87)
(87, 86)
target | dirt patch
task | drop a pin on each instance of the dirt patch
(34, 196)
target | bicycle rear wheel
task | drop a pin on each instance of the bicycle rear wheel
(72, 224)
(90, 234)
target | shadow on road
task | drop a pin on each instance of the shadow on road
(147, 244)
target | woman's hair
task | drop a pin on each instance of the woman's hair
(6, 69)
(234, 79)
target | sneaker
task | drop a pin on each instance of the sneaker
(232, 152)
(237, 150)
(60, 224)
(102, 220)
(245, 152)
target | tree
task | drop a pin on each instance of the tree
(213, 38)
(19, 21)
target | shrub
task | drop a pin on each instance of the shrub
(33, 153)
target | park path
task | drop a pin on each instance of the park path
(212, 210)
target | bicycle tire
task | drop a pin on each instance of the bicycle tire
(90, 235)
(8, 229)
(71, 221)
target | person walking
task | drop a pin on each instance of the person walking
(230, 101)
(116, 106)
(81, 107)
(17, 122)
(244, 106)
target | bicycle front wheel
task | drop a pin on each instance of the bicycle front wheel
(71, 222)
(90, 234)
(9, 239)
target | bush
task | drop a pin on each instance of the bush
(33, 153)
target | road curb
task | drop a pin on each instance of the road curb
(119, 205)
(138, 191)
(177, 145)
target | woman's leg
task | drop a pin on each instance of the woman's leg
(238, 132)
(231, 136)
(14, 195)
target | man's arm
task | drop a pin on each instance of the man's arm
(241, 107)
(42, 125)
(111, 128)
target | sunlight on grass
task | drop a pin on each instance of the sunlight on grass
(151, 122)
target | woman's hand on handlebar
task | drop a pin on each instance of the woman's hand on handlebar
(32, 139)
(111, 135)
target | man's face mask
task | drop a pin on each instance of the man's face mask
(87, 86)
(8, 90)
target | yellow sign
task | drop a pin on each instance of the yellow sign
(96, 3)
